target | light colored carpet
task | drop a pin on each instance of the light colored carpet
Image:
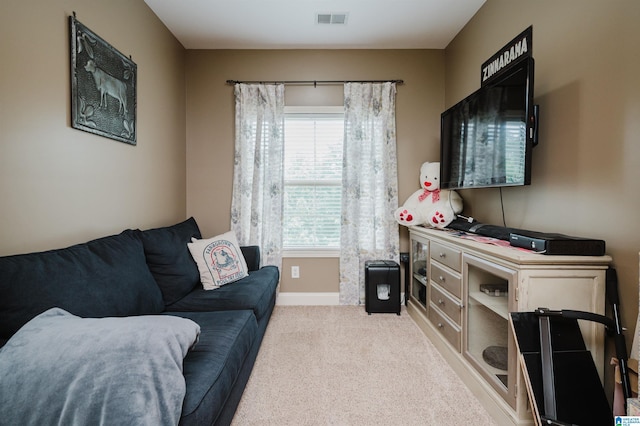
(336, 365)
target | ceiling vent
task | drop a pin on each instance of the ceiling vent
(331, 18)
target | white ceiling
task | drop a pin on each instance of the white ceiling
(291, 24)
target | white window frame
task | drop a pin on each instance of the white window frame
(312, 252)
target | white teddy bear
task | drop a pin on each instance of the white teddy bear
(430, 205)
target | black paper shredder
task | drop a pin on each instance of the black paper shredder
(382, 286)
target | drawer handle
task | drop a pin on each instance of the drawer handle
(441, 278)
(440, 302)
(442, 255)
(440, 325)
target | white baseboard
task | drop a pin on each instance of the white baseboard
(311, 299)
(308, 299)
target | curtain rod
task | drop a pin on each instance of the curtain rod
(314, 82)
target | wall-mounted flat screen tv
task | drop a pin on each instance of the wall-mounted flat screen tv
(486, 139)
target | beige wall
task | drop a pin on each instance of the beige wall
(586, 169)
(210, 124)
(58, 185)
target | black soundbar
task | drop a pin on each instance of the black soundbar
(558, 244)
(541, 242)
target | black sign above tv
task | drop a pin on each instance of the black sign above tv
(513, 52)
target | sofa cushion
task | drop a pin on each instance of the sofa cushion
(169, 259)
(104, 277)
(220, 260)
(251, 257)
(212, 366)
(254, 292)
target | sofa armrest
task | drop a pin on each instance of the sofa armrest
(251, 256)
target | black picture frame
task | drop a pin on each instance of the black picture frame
(103, 86)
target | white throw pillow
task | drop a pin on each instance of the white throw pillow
(220, 260)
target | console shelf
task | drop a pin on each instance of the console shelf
(498, 304)
(471, 328)
(420, 278)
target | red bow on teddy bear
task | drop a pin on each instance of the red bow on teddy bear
(435, 195)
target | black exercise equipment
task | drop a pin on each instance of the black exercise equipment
(563, 382)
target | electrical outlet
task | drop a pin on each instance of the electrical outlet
(295, 272)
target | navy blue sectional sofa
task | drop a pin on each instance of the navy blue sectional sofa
(151, 272)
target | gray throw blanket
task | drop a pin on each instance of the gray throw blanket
(59, 369)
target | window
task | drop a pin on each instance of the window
(312, 178)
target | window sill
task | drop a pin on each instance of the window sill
(318, 252)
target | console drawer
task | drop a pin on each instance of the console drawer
(447, 304)
(446, 255)
(447, 280)
(450, 332)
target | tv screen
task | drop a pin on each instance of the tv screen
(486, 139)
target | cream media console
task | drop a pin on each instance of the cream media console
(461, 293)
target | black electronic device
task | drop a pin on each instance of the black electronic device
(558, 244)
(541, 242)
(486, 139)
(491, 231)
(382, 286)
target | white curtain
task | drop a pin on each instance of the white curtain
(370, 184)
(256, 205)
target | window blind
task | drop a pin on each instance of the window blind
(312, 180)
